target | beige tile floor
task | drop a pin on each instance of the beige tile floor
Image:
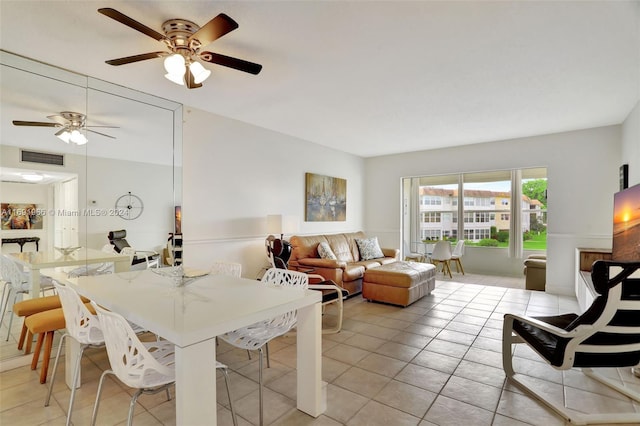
(436, 362)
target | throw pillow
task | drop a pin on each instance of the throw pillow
(369, 248)
(325, 252)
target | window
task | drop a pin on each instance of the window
(485, 202)
(430, 234)
(431, 201)
(482, 217)
(431, 217)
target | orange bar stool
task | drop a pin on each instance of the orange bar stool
(44, 324)
(29, 307)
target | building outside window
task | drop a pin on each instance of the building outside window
(485, 201)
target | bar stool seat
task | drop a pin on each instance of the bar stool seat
(29, 307)
(44, 324)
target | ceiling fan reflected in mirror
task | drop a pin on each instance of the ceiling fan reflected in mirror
(71, 125)
(184, 40)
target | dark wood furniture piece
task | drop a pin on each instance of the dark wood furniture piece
(22, 241)
(585, 292)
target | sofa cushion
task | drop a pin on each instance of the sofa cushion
(325, 252)
(373, 263)
(369, 248)
(353, 272)
(340, 247)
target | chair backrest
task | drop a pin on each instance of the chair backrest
(458, 250)
(441, 250)
(118, 239)
(279, 252)
(81, 324)
(130, 360)
(286, 278)
(612, 335)
(11, 273)
(221, 267)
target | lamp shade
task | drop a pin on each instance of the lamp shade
(279, 224)
(274, 224)
(176, 68)
(64, 135)
(199, 72)
(78, 138)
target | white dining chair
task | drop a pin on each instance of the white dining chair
(232, 269)
(148, 367)
(442, 255)
(257, 335)
(413, 256)
(17, 282)
(458, 252)
(81, 325)
(222, 267)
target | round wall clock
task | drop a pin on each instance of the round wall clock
(129, 206)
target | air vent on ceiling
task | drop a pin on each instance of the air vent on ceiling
(41, 157)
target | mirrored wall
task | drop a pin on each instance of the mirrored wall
(131, 161)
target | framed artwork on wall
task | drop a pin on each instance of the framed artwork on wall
(326, 198)
(22, 216)
(178, 220)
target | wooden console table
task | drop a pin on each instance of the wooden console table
(585, 293)
(22, 241)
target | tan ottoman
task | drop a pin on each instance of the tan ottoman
(399, 283)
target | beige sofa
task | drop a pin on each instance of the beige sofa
(348, 269)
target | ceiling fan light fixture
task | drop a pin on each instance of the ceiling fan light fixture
(199, 72)
(78, 138)
(64, 135)
(176, 78)
(176, 67)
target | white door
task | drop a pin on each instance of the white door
(67, 214)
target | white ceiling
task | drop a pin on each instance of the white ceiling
(369, 78)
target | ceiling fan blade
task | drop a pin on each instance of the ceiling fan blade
(105, 127)
(189, 79)
(34, 123)
(132, 23)
(228, 61)
(101, 134)
(137, 58)
(214, 29)
(58, 119)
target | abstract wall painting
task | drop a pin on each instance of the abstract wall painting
(326, 198)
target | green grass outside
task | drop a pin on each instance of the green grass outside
(538, 242)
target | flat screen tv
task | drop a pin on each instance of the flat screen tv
(626, 224)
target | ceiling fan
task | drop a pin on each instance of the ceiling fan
(70, 123)
(185, 39)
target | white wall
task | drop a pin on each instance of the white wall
(109, 179)
(582, 170)
(235, 174)
(631, 144)
(102, 180)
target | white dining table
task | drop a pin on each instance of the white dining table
(51, 258)
(192, 316)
